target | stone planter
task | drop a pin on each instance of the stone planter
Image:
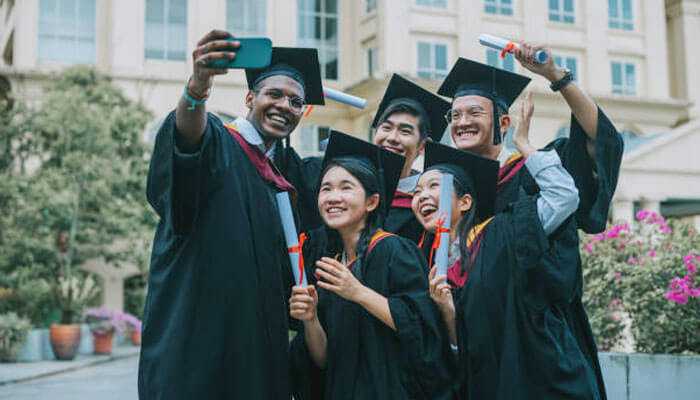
(46, 350)
(32, 349)
(65, 340)
(86, 343)
(650, 376)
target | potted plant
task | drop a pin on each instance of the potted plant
(13, 332)
(71, 294)
(133, 327)
(103, 323)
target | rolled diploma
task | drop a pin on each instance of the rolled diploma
(444, 211)
(344, 98)
(498, 43)
(290, 235)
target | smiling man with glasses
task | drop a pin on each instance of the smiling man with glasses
(216, 319)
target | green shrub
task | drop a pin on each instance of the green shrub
(647, 272)
(13, 333)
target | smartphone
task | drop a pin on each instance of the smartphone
(254, 52)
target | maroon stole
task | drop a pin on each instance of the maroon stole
(266, 169)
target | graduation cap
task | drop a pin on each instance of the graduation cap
(483, 173)
(430, 107)
(471, 78)
(300, 64)
(387, 164)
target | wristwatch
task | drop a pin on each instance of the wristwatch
(565, 80)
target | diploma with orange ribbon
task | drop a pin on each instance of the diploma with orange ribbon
(442, 231)
(294, 242)
(506, 46)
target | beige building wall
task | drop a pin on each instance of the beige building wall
(660, 46)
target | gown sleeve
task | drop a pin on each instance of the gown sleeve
(596, 179)
(419, 327)
(178, 182)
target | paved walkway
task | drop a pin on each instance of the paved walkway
(22, 372)
(115, 380)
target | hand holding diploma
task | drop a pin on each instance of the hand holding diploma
(294, 246)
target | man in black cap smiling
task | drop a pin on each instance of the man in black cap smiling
(406, 118)
(592, 155)
(215, 321)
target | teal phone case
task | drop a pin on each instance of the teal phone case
(254, 53)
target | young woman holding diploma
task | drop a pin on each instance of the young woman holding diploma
(370, 330)
(505, 320)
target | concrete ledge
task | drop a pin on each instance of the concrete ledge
(23, 372)
(650, 376)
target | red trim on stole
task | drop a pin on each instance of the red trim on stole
(267, 170)
(514, 164)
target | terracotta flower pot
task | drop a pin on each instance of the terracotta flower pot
(136, 338)
(103, 342)
(64, 340)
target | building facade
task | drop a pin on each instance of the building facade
(634, 57)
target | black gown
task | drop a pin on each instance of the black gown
(595, 180)
(216, 314)
(365, 358)
(515, 341)
(403, 222)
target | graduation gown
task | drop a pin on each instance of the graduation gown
(365, 358)
(514, 334)
(595, 180)
(216, 315)
(401, 219)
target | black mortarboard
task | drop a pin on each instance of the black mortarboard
(471, 78)
(387, 164)
(431, 107)
(483, 173)
(300, 64)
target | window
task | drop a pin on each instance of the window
(493, 58)
(432, 60)
(166, 29)
(562, 11)
(246, 17)
(67, 31)
(312, 139)
(370, 5)
(318, 27)
(503, 7)
(371, 61)
(620, 15)
(432, 3)
(568, 62)
(624, 80)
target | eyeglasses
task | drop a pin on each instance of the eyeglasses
(456, 115)
(296, 103)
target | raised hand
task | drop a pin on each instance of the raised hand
(521, 138)
(303, 303)
(525, 54)
(213, 46)
(337, 278)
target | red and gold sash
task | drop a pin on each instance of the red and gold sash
(512, 166)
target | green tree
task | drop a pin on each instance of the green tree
(72, 184)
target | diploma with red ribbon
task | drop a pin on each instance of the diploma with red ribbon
(442, 231)
(294, 242)
(506, 46)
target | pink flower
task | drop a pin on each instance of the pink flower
(676, 297)
(652, 253)
(588, 247)
(618, 277)
(642, 215)
(633, 261)
(665, 229)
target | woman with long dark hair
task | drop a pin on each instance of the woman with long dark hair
(503, 301)
(370, 329)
